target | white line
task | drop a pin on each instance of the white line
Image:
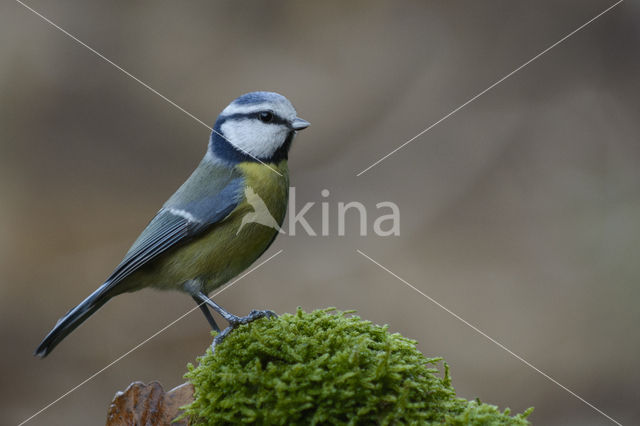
(145, 85)
(145, 341)
(518, 357)
(490, 87)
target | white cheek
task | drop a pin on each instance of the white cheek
(253, 137)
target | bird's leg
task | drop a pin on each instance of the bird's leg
(233, 320)
(207, 314)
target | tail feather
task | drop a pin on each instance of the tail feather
(73, 319)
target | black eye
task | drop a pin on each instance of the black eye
(265, 116)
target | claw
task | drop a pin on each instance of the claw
(235, 321)
(253, 315)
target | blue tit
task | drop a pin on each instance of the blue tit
(197, 241)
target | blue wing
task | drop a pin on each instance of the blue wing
(207, 197)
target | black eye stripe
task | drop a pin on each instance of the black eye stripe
(265, 116)
(256, 115)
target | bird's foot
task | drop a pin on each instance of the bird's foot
(253, 315)
(235, 321)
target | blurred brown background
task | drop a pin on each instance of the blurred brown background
(521, 212)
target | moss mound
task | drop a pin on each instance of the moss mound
(324, 368)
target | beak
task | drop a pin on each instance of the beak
(299, 124)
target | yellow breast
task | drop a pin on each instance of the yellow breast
(271, 187)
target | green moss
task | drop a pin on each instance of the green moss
(323, 368)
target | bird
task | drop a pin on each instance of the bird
(194, 243)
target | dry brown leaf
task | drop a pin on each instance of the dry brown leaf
(142, 404)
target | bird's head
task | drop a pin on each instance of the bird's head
(257, 125)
